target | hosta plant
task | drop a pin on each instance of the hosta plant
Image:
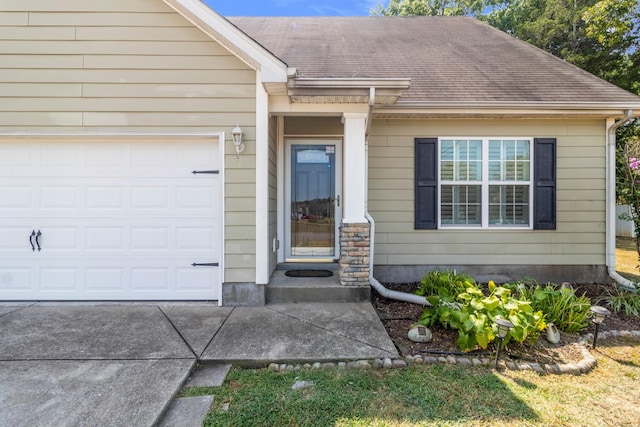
(473, 313)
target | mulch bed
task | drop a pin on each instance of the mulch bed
(398, 316)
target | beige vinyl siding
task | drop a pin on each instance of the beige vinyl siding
(273, 190)
(580, 235)
(313, 126)
(109, 66)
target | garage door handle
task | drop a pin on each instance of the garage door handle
(38, 234)
(33, 233)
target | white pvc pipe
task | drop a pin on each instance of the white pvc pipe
(611, 215)
(375, 284)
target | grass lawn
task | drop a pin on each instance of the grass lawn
(627, 258)
(435, 395)
(440, 395)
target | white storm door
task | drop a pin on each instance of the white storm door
(312, 199)
(114, 219)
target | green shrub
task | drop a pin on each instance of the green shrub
(560, 304)
(620, 300)
(444, 283)
(459, 303)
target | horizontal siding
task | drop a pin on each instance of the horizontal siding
(580, 235)
(108, 47)
(137, 66)
(84, 6)
(106, 19)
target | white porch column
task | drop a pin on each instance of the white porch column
(263, 248)
(354, 164)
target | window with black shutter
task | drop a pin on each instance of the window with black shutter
(485, 183)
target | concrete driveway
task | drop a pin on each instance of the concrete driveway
(121, 364)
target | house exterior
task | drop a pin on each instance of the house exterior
(398, 144)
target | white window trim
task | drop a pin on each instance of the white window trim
(485, 185)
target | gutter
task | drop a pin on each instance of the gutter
(608, 106)
(611, 199)
(375, 284)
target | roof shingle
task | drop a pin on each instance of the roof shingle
(449, 59)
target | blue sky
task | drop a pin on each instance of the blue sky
(293, 7)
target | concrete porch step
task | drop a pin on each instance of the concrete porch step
(283, 289)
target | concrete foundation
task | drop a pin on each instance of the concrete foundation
(498, 273)
(243, 295)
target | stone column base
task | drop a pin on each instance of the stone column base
(355, 249)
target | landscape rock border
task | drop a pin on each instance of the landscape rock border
(584, 366)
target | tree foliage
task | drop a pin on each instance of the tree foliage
(434, 7)
(598, 36)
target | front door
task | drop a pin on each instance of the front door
(313, 203)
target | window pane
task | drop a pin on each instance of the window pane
(446, 170)
(475, 150)
(461, 160)
(509, 205)
(461, 205)
(446, 149)
(523, 149)
(495, 170)
(509, 160)
(446, 204)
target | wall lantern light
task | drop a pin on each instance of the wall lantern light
(504, 326)
(598, 315)
(236, 134)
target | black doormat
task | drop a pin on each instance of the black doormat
(309, 273)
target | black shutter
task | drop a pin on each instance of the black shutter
(544, 181)
(426, 183)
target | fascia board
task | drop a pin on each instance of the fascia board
(233, 39)
(510, 109)
(333, 83)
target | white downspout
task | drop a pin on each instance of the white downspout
(611, 200)
(375, 284)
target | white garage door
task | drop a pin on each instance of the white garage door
(119, 219)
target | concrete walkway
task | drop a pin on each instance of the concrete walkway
(121, 364)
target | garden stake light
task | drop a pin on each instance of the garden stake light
(503, 329)
(599, 314)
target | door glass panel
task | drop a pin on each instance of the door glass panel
(313, 200)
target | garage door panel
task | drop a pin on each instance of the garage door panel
(59, 155)
(59, 279)
(16, 279)
(105, 279)
(150, 239)
(108, 239)
(15, 158)
(150, 197)
(119, 220)
(195, 279)
(103, 197)
(14, 197)
(196, 238)
(14, 240)
(150, 279)
(59, 197)
(57, 239)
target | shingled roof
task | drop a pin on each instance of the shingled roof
(448, 59)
